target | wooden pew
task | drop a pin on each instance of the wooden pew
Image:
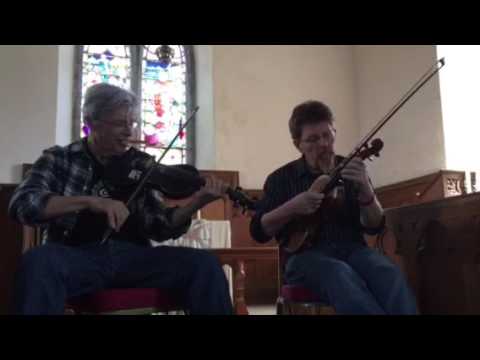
(439, 242)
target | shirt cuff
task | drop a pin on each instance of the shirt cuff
(375, 230)
(256, 229)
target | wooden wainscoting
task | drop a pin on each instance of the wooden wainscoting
(439, 242)
(10, 249)
(262, 278)
(438, 185)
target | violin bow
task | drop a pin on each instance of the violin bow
(364, 142)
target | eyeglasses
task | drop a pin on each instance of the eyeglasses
(120, 125)
(315, 139)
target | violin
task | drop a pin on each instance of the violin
(306, 229)
(173, 181)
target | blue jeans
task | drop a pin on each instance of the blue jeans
(52, 273)
(352, 278)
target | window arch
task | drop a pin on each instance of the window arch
(163, 78)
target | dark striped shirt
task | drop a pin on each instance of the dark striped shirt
(294, 178)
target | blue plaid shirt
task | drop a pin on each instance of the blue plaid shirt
(67, 171)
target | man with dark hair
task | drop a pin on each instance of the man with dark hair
(338, 267)
(67, 182)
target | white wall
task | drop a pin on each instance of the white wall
(246, 94)
(459, 85)
(64, 94)
(414, 138)
(28, 100)
(255, 89)
(205, 119)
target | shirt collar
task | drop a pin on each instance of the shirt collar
(78, 146)
(303, 170)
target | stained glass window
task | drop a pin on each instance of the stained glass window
(164, 103)
(104, 63)
(163, 88)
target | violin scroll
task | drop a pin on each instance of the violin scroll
(373, 150)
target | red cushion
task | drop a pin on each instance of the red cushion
(109, 300)
(298, 293)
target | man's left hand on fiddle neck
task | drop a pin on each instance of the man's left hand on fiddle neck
(356, 171)
(371, 210)
(214, 189)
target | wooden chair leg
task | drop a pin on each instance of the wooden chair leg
(280, 310)
(239, 276)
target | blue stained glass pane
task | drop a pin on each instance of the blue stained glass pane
(105, 63)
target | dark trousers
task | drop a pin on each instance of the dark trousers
(353, 278)
(52, 273)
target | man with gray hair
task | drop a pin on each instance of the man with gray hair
(68, 182)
